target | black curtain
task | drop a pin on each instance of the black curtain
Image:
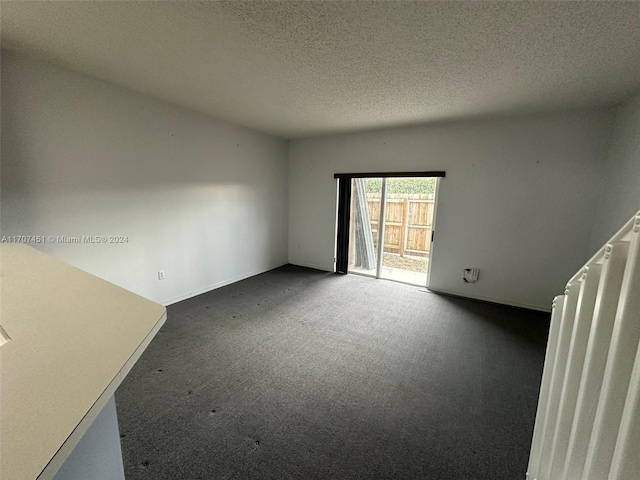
(344, 216)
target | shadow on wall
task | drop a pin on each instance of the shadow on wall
(199, 234)
(532, 330)
(203, 200)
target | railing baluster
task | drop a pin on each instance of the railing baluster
(620, 363)
(557, 377)
(613, 265)
(587, 424)
(575, 363)
(543, 402)
(626, 461)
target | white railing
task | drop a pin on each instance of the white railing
(588, 421)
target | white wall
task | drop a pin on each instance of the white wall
(620, 186)
(201, 199)
(518, 200)
(98, 455)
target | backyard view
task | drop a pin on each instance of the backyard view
(408, 220)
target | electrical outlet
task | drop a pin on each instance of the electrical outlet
(471, 275)
(160, 274)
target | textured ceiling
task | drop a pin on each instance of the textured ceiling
(298, 69)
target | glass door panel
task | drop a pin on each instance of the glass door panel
(407, 230)
(366, 195)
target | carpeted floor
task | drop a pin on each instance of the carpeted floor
(302, 374)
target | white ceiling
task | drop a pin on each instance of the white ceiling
(299, 69)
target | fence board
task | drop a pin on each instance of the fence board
(408, 222)
(374, 209)
(419, 239)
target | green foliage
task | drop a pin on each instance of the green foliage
(402, 185)
(373, 185)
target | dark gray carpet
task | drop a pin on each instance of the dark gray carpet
(301, 374)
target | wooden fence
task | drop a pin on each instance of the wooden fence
(408, 222)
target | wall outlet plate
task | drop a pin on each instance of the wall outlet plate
(471, 275)
(160, 274)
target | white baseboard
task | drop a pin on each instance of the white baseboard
(226, 282)
(222, 283)
(493, 300)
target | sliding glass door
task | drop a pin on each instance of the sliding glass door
(390, 226)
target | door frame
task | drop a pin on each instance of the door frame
(343, 215)
(434, 221)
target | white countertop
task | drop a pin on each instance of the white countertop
(72, 339)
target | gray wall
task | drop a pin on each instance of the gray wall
(619, 188)
(518, 200)
(98, 455)
(201, 199)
